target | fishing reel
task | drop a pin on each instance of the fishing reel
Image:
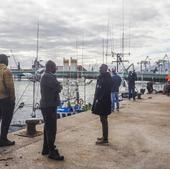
(21, 105)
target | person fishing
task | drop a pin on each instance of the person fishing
(132, 77)
(102, 101)
(7, 100)
(50, 99)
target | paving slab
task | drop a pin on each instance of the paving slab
(139, 136)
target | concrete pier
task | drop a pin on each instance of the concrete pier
(139, 139)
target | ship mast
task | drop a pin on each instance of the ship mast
(120, 56)
(36, 67)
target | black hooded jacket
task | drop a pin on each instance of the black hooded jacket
(132, 77)
(102, 97)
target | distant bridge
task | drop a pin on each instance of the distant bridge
(93, 75)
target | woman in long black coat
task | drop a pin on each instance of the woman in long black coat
(102, 100)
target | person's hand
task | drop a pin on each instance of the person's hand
(0, 115)
(13, 102)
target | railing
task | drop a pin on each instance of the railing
(146, 76)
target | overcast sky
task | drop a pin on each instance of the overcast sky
(63, 24)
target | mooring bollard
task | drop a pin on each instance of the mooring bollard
(31, 126)
(139, 95)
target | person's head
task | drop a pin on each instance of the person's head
(113, 70)
(4, 59)
(103, 68)
(50, 66)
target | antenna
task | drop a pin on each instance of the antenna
(76, 53)
(103, 50)
(129, 32)
(112, 39)
(82, 54)
(107, 41)
(37, 41)
(123, 29)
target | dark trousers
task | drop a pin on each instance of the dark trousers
(104, 121)
(50, 128)
(131, 90)
(6, 113)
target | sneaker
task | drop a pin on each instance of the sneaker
(102, 142)
(55, 155)
(117, 109)
(6, 142)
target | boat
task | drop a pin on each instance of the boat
(68, 108)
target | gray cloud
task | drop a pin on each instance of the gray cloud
(62, 23)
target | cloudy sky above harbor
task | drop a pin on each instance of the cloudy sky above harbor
(63, 23)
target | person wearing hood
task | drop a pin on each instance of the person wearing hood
(132, 77)
(7, 100)
(102, 101)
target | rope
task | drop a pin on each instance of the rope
(37, 93)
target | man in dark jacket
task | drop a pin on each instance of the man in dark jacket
(115, 90)
(7, 100)
(132, 77)
(102, 101)
(50, 99)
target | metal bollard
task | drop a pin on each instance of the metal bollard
(31, 126)
(139, 95)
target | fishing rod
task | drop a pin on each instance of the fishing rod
(22, 104)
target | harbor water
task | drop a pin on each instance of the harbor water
(24, 93)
